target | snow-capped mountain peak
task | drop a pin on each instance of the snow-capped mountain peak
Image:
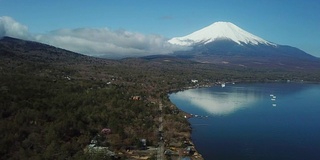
(218, 31)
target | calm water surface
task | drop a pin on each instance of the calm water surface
(254, 121)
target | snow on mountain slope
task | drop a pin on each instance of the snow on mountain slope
(218, 31)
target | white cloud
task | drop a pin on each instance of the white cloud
(94, 41)
(9, 27)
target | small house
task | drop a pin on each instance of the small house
(136, 98)
(194, 81)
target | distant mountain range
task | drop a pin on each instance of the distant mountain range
(227, 44)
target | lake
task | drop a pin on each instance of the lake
(270, 121)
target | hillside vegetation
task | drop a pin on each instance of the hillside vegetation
(54, 102)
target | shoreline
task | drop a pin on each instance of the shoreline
(196, 155)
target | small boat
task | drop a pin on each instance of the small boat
(274, 105)
(223, 85)
(273, 99)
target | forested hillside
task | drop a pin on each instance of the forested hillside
(54, 102)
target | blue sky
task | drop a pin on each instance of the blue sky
(288, 22)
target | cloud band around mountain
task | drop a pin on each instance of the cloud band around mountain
(101, 42)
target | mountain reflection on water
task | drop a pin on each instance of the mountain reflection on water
(220, 102)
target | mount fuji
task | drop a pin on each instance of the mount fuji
(227, 44)
(219, 31)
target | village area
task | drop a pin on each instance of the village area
(164, 150)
